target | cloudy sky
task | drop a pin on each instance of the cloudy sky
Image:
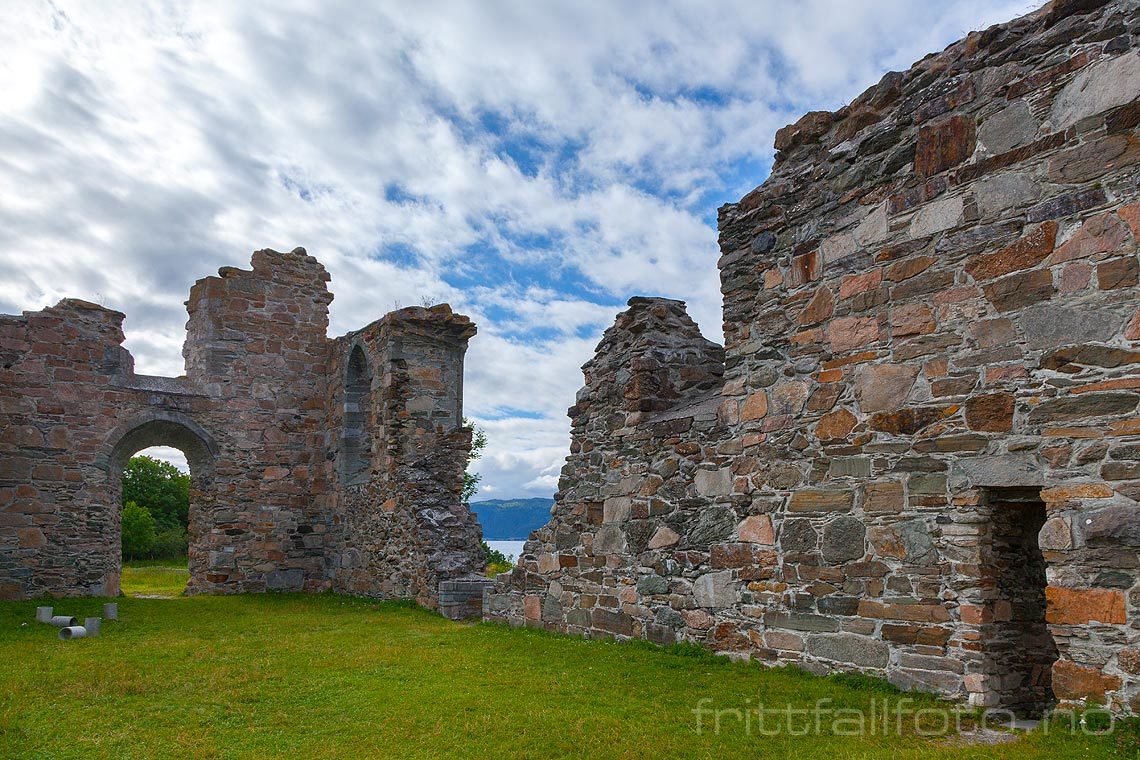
(532, 163)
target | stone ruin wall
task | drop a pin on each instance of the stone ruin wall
(922, 460)
(261, 416)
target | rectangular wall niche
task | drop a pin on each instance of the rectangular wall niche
(1019, 650)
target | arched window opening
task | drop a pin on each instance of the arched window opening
(356, 445)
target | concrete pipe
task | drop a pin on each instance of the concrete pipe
(43, 614)
(111, 611)
(72, 632)
(92, 625)
(63, 621)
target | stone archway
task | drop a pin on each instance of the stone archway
(162, 428)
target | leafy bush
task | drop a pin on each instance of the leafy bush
(138, 531)
(171, 543)
(497, 562)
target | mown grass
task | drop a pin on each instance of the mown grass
(155, 577)
(329, 676)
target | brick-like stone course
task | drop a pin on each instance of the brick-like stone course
(288, 491)
(919, 456)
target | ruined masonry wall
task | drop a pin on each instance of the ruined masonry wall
(923, 459)
(261, 417)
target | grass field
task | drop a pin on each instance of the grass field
(327, 676)
(155, 577)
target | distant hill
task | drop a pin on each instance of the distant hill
(511, 519)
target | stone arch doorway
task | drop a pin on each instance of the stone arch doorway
(177, 431)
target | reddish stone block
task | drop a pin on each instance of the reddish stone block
(1102, 233)
(944, 145)
(1024, 254)
(1118, 273)
(991, 414)
(847, 333)
(755, 407)
(1080, 682)
(1020, 290)
(910, 420)
(835, 425)
(1081, 606)
(853, 284)
(820, 308)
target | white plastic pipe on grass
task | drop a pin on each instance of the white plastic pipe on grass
(72, 632)
(63, 621)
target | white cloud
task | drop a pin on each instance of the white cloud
(533, 163)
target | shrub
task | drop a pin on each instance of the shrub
(497, 562)
(138, 531)
(171, 542)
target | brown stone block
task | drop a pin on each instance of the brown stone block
(853, 284)
(1020, 290)
(820, 500)
(1073, 681)
(819, 308)
(910, 420)
(1118, 273)
(884, 497)
(755, 407)
(943, 145)
(921, 613)
(1024, 254)
(1076, 491)
(805, 268)
(991, 414)
(1081, 606)
(847, 333)
(1102, 233)
(835, 425)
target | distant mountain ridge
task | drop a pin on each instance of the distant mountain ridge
(511, 519)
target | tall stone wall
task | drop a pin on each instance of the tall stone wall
(922, 462)
(414, 373)
(278, 502)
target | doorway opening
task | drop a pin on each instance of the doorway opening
(155, 523)
(159, 470)
(1019, 649)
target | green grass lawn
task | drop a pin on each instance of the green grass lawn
(328, 676)
(155, 577)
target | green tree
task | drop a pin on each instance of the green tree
(138, 531)
(478, 443)
(161, 488)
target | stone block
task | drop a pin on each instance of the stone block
(797, 535)
(1081, 682)
(1082, 606)
(757, 529)
(1117, 524)
(844, 539)
(991, 413)
(944, 145)
(1098, 88)
(883, 387)
(616, 509)
(849, 648)
(820, 500)
(715, 590)
(712, 483)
